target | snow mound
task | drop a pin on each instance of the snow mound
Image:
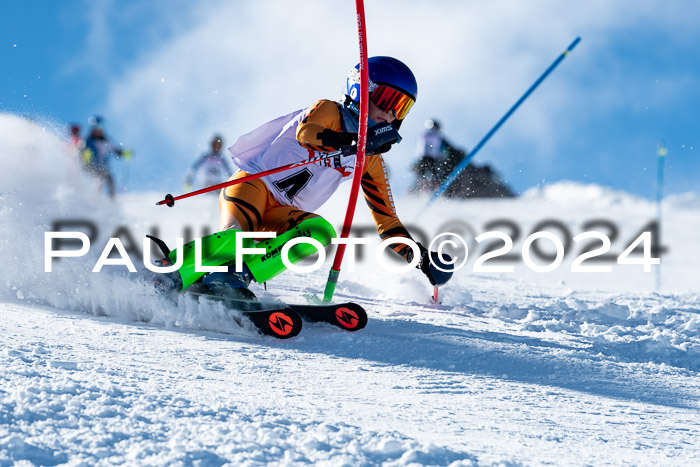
(570, 193)
(689, 200)
(654, 328)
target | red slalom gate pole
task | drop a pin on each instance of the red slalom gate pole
(360, 159)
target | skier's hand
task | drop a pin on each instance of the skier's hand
(428, 267)
(424, 263)
(336, 139)
(381, 137)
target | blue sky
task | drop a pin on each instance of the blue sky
(169, 74)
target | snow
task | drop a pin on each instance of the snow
(510, 368)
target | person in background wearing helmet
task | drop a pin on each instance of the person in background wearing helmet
(211, 168)
(77, 142)
(74, 147)
(437, 158)
(432, 158)
(279, 202)
(97, 152)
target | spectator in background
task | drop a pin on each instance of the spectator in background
(438, 158)
(77, 141)
(435, 157)
(74, 148)
(97, 153)
(211, 168)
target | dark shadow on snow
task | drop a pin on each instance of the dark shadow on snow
(498, 355)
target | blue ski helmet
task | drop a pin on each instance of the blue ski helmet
(392, 86)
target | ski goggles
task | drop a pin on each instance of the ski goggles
(391, 100)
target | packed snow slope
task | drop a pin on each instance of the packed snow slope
(515, 367)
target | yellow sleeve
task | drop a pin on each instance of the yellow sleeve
(375, 186)
(323, 115)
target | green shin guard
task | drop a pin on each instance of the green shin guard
(267, 265)
(219, 249)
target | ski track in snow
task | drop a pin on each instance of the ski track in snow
(509, 369)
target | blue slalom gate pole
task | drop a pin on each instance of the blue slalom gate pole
(661, 155)
(465, 162)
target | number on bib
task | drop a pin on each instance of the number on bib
(292, 185)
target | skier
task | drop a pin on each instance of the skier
(283, 201)
(433, 155)
(97, 152)
(211, 168)
(77, 143)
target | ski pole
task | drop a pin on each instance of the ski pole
(169, 199)
(465, 162)
(361, 145)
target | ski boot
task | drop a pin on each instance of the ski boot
(230, 284)
(166, 283)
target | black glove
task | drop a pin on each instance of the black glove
(336, 139)
(434, 275)
(380, 138)
(382, 149)
(424, 263)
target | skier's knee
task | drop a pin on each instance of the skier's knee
(230, 223)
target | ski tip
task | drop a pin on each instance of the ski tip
(281, 323)
(284, 324)
(351, 317)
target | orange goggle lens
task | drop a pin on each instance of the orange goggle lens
(391, 100)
